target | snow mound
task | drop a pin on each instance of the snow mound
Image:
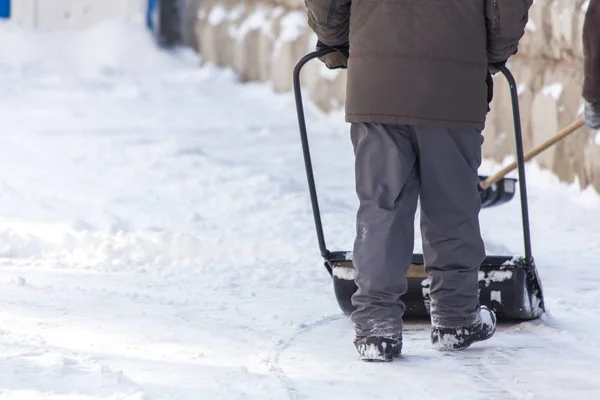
(34, 374)
(110, 47)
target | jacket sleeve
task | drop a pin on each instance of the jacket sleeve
(505, 23)
(330, 20)
(591, 52)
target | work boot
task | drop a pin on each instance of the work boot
(378, 348)
(452, 339)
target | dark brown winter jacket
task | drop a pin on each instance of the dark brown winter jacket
(591, 46)
(420, 61)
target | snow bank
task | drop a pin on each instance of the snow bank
(553, 91)
(113, 46)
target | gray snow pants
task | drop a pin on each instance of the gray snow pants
(395, 164)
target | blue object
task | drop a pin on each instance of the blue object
(4, 8)
(151, 14)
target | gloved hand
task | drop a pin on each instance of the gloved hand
(495, 67)
(591, 114)
(336, 59)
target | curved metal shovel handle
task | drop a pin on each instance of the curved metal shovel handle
(514, 96)
(306, 149)
(309, 169)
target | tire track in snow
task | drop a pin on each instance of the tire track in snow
(485, 378)
(488, 366)
(511, 369)
(283, 344)
(517, 365)
(473, 363)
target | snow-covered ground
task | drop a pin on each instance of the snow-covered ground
(156, 243)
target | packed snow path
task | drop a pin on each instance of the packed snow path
(156, 243)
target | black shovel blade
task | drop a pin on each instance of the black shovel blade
(499, 193)
(508, 285)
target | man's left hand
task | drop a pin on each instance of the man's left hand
(337, 59)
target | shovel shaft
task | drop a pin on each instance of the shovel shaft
(306, 149)
(514, 95)
(534, 152)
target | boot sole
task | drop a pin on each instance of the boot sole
(466, 345)
(380, 359)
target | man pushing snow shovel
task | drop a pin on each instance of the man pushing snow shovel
(417, 99)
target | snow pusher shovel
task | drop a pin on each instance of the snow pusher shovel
(508, 284)
(494, 190)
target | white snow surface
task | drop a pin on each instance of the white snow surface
(157, 243)
(531, 26)
(348, 274)
(293, 25)
(553, 91)
(256, 20)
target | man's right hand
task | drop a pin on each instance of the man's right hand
(495, 67)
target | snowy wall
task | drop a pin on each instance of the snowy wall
(263, 40)
(67, 14)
